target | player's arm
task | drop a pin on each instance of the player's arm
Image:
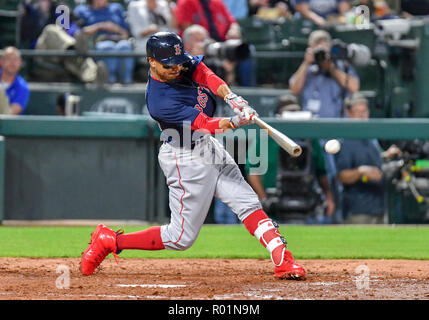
(216, 125)
(206, 77)
(170, 111)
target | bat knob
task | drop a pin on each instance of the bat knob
(296, 152)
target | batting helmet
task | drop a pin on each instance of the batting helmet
(167, 48)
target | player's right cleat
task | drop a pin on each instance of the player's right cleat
(289, 269)
(103, 242)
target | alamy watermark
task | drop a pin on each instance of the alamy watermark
(362, 17)
(63, 19)
(362, 278)
(63, 281)
(198, 146)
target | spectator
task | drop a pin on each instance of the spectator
(321, 83)
(35, 15)
(213, 15)
(319, 10)
(147, 17)
(106, 23)
(415, 7)
(195, 39)
(359, 170)
(86, 69)
(11, 83)
(270, 9)
(238, 8)
(260, 183)
(379, 9)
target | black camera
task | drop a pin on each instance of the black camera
(233, 50)
(320, 54)
(357, 54)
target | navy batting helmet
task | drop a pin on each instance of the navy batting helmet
(167, 48)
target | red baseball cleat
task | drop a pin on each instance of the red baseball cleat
(103, 242)
(289, 269)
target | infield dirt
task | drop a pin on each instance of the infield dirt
(212, 279)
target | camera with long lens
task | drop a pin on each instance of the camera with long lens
(357, 54)
(233, 50)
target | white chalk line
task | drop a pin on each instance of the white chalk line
(163, 286)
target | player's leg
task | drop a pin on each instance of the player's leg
(233, 190)
(191, 184)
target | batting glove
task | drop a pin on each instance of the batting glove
(252, 112)
(241, 119)
(237, 103)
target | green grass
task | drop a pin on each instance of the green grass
(214, 241)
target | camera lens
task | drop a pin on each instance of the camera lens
(320, 56)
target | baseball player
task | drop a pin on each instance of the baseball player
(181, 98)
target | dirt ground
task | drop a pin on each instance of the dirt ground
(210, 279)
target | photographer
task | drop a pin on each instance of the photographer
(223, 58)
(321, 83)
(359, 165)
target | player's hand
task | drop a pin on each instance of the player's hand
(237, 103)
(252, 112)
(241, 119)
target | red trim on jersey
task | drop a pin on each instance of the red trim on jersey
(206, 77)
(204, 122)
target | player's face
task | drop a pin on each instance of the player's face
(164, 72)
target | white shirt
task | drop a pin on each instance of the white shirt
(140, 18)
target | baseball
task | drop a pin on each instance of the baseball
(332, 146)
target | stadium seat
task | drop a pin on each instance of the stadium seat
(257, 32)
(8, 27)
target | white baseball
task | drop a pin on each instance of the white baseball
(332, 146)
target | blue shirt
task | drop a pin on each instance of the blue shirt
(238, 8)
(361, 197)
(18, 92)
(322, 7)
(176, 104)
(322, 94)
(114, 12)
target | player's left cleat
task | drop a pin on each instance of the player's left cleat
(103, 242)
(289, 269)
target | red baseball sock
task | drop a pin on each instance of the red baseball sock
(149, 239)
(262, 227)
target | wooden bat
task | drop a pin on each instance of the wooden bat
(282, 140)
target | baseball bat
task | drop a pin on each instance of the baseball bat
(282, 140)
